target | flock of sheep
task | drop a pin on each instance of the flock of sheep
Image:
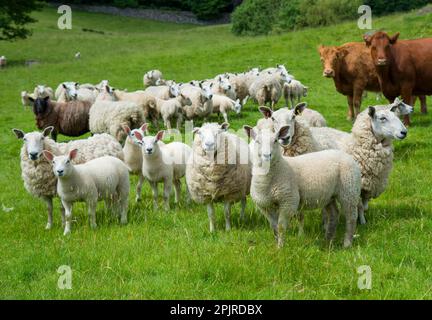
(293, 161)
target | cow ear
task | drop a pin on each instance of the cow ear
(371, 111)
(341, 53)
(367, 39)
(394, 38)
(266, 112)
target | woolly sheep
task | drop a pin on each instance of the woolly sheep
(172, 109)
(42, 91)
(163, 92)
(370, 144)
(36, 171)
(150, 77)
(294, 91)
(221, 86)
(282, 185)
(163, 163)
(219, 170)
(111, 116)
(299, 139)
(105, 178)
(267, 88)
(74, 92)
(222, 104)
(201, 98)
(25, 99)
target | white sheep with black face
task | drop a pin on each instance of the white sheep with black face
(371, 145)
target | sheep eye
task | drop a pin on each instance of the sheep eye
(383, 119)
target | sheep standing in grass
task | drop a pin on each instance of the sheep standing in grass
(112, 116)
(283, 185)
(201, 98)
(222, 86)
(223, 104)
(219, 170)
(163, 163)
(151, 77)
(68, 118)
(72, 92)
(105, 178)
(133, 155)
(370, 144)
(163, 92)
(294, 92)
(299, 139)
(42, 91)
(267, 88)
(36, 171)
(172, 109)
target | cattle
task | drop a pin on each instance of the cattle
(352, 71)
(404, 67)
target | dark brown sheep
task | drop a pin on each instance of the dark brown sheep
(69, 118)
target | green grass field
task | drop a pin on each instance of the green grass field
(173, 256)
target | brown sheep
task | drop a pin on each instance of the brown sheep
(68, 118)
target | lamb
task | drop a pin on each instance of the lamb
(105, 178)
(68, 118)
(163, 163)
(201, 98)
(294, 90)
(281, 186)
(163, 92)
(299, 139)
(37, 173)
(111, 116)
(222, 104)
(133, 155)
(150, 77)
(219, 170)
(172, 109)
(370, 144)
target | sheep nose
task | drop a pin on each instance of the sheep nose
(149, 150)
(60, 172)
(404, 133)
(209, 145)
(267, 156)
(33, 155)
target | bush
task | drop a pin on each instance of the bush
(254, 17)
(380, 7)
(208, 9)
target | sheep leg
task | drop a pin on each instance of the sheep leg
(91, 208)
(227, 211)
(242, 209)
(154, 187)
(211, 216)
(332, 215)
(301, 223)
(362, 207)
(49, 203)
(225, 116)
(282, 226)
(63, 218)
(292, 102)
(177, 191)
(167, 192)
(139, 187)
(68, 216)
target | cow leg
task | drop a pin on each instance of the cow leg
(408, 99)
(350, 115)
(423, 105)
(357, 100)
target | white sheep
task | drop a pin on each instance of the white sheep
(26, 99)
(313, 118)
(133, 155)
(72, 91)
(172, 109)
(36, 171)
(163, 163)
(267, 88)
(370, 143)
(150, 77)
(293, 92)
(164, 92)
(201, 98)
(105, 178)
(111, 116)
(281, 186)
(42, 91)
(3, 62)
(223, 104)
(222, 86)
(219, 170)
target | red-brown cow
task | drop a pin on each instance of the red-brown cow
(404, 67)
(353, 72)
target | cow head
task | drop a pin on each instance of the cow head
(330, 57)
(380, 45)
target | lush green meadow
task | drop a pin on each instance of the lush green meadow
(172, 255)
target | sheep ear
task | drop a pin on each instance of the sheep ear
(126, 129)
(144, 127)
(224, 126)
(48, 155)
(64, 86)
(31, 99)
(47, 131)
(18, 133)
(250, 132)
(195, 130)
(283, 132)
(394, 108)
(138, 136)
(266, 111)
(159, 135)
(73, 153)
(46, 98)
(77, 84)
(394, 38)
(298, 109)
(371, 111)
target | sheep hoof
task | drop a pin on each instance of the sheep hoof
(48, 226)
(137, 199)
(93, 225)
(362, 220)
(66, 232)
(347, 243)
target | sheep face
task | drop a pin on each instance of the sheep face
(266, 146)
(71, 90)
(174, 90)
(33, 141)
(40, 105)
(149, 144)
(62, 165)
(225, 84)
(286, 117)
(402, 108)
(136, 135)
(386, 124)
(209, 135)
(40, 90)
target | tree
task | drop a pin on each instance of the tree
(14, 16)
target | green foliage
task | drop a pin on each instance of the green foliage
(380, 7)
(126, 3)
(14, 16)
(254, 17)
(208, 9)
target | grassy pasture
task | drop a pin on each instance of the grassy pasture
(161, 256)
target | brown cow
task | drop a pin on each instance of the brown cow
(353, 72)
(404, 67)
